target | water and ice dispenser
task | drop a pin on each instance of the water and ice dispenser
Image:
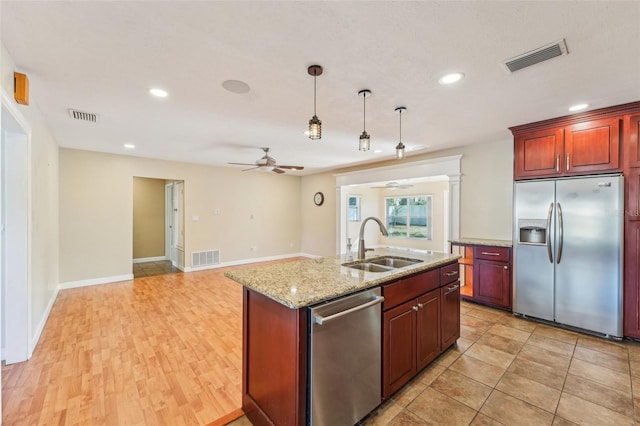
(532, 231)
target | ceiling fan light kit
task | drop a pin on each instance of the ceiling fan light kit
(400, 147)
(365, 139)
(315, 125)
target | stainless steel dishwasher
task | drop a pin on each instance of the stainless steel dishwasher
(345, 359)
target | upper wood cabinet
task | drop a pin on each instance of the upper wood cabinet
(579, 149)
(632, 142)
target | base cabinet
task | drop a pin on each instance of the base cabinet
(487, 274)
(421, 319)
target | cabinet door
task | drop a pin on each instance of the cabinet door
(538, 154)
(428, 328)
(632, 194)
(632, 279)
(632, 140)
(398, 347)
(450, 326)
(593, 146)
(492, 281)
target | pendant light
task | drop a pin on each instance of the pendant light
(365, 140)
(400, 146)
(315, 125)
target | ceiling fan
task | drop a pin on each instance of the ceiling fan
(393, 185)
(268, 162)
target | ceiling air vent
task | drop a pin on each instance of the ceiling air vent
(536, 56)
(84, 116)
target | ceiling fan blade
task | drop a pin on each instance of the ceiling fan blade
(243, 164)
(291, 167)
(277, 170)
(252, 168)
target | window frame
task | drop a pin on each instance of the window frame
(358, 208)
(428, 216)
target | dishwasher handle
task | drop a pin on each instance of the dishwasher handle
(320, 320)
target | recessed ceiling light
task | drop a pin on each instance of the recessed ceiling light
(129, 146)
(419, 147)
(236, 86)
(451, 78)
(578, 107)
(158, 92)
(377, 151)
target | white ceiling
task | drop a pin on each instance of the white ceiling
(102, 57)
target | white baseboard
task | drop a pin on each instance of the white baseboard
(94, 281)
(43, 322)
(150, 259)
(247, 261)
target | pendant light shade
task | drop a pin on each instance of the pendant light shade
(400, 147)
(365, 139)
(315, 125)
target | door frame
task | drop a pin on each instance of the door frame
(16, 264)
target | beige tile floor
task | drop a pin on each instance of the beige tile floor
(510, 371)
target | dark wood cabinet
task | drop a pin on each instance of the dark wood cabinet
(632, 140)
(487, 273)
(632, 279)
(418, 323)
(492, 276)
(582, 148)
(450, 297)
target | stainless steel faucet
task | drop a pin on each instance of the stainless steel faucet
(383, 230)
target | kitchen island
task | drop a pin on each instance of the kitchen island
(276, 323)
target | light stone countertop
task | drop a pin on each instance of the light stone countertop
(306, 282)
(481, 242)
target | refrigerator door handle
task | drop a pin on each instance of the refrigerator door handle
(560, 234)
(549, 233)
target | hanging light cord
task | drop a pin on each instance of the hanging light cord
(400, 111)
(364, 110)
(315, 75)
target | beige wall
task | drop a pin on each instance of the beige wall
(43, 200)
(259, 212)
(318, 230)
(148, 217)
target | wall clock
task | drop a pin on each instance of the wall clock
(318, 198)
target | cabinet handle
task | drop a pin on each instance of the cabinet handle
(420, 305)
(415, 308)
(449, 274)
(568, 161)
(506, 267)
(487, 253)
(452, 289)
(558, 163)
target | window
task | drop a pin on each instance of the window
(354, 209)
(408, 217)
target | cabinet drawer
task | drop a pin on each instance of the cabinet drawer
(449, 273)
(492, 253)
(409, 288)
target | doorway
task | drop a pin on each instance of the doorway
(157, 228)
(15, 310)
(353, 184)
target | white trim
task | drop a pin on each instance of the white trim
(150, 259)
(443, 166)
(94, 281)
(43, 322)
(248, 261)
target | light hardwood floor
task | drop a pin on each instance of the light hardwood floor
(155, 350)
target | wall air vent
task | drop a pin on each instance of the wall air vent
(83, 116)
(205, 258)
(536, 56)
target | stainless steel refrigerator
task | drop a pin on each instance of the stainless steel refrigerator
(567, 236)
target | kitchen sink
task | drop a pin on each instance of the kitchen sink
(383, 264)
(370, 267)
(394, 262)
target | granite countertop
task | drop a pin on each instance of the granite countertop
(310, 281)
(481, 242)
